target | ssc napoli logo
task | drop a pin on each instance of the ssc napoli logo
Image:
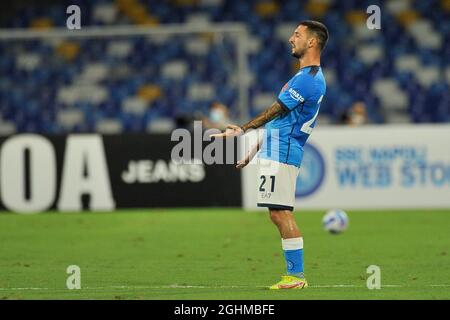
(312, 172)
(290, 265)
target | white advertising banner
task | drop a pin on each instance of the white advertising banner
(370, 167)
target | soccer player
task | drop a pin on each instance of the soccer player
(288, 123)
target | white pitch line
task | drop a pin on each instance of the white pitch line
(12, 289)
(439, 285)
(176, 286)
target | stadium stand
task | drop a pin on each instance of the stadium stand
(400, 72)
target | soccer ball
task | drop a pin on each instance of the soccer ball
(335, 221)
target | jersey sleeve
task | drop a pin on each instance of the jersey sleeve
(299, 89)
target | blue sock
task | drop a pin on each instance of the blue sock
(293, 253)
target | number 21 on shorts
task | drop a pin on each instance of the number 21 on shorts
(262, 186)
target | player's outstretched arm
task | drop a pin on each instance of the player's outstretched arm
(242, 163)
(267, 115)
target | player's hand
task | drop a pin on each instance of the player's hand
(242, 163)
(231, 131)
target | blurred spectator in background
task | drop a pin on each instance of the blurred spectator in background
(218, 117)
(356, 115)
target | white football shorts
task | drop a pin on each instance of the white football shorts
(276, 184)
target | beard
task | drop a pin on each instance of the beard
(298, 53)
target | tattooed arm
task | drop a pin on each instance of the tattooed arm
(271, 113)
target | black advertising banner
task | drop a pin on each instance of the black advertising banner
(95, 172)
(144, 176)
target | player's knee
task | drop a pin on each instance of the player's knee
(276, 216)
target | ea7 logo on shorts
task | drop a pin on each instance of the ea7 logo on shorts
(266, 195)
(295, 95)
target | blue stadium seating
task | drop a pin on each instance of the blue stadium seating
(41, 88)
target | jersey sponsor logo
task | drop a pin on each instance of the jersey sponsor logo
(295, 95)
(312, 172)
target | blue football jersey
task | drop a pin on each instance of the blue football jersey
(286, 135)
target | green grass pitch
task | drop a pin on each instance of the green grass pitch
(220, 254)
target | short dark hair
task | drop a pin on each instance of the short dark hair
(319, 29)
